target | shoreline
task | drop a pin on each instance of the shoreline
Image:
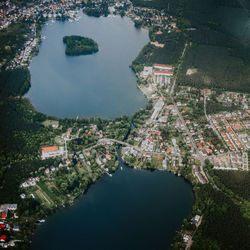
(53, 211)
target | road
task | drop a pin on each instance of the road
(211, 122)
(195, 149)
(104, 140)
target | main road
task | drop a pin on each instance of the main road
(195, 149)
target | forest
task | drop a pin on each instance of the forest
(216, 69)
(78, 45)
(237, 181)
(223, 226)
(169, 54)
(14, 82)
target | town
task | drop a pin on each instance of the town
(178, 131)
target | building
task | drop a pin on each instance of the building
(147, 71)
(48, 152)
(196, 219)
(157, 108)
(162, 74)
(163, 67)
(6, 207)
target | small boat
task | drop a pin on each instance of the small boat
(121, 168)
(41, 221)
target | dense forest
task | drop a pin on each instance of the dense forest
(14, 82)
(21, 134)
(220, 55)
(223, 226)
(78, 45)
(238, 182)
(169, 54)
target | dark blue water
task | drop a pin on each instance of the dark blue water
(101, 84)
(133, 209)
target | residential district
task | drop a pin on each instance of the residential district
(177, 128)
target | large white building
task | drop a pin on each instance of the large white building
(162, 74)
(49, 152)
(157, 108)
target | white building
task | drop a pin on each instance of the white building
(48, 152)
(157, 108)
(162, 74)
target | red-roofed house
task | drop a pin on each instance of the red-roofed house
(3, 215)
(3, 238)
(163, 67)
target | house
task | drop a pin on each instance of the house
(163, 67)
(186, 238)
(2, 238)
(53, 151)
(46, 171)
(16, 228)
(52, 168)
(108, 156)
(196, 219)
(3, 215)
(23, 196)
(11, 243)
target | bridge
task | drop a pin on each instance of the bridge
(105, 140)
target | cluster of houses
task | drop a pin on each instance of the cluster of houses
(10, 13)
(234, 98)
(151, 17)
(23, 58)
(233, 128)
(230, 161)
(187, 237)
(30, 182)
(5, 240)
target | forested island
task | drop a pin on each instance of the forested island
(79, 45)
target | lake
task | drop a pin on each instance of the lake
(100, 84)
(132, 210)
